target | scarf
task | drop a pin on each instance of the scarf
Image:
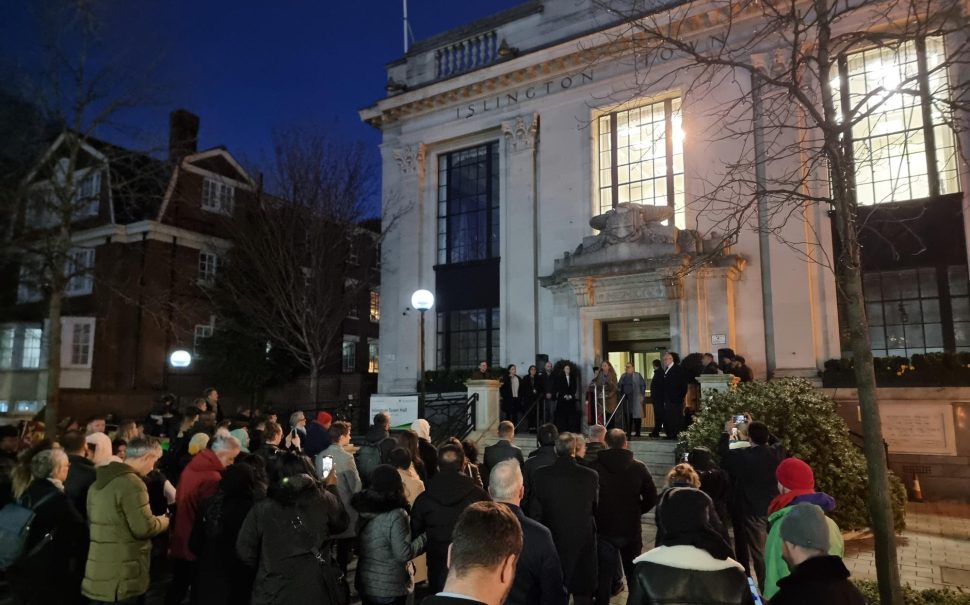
(783, 500)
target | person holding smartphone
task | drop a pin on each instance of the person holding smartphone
(338, 461)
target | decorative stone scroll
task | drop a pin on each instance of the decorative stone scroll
(520, 134)
(410, 158)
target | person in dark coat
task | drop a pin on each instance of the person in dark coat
(57, 542)
(269, 450)
(503, 449)
(318, 434)
(565, 385)
(436, 510)
(693, 564)
(532, 398)
(657, 398)
(596, 443)
(541, 457)
(81, 475)
(626, 491)
(510, 393)
(709, 366)
(565, 499)
(675, 383)
(222, 577)
(753, 487)
(714, 482)
(816, 576)
(538, 575)
(282, 533)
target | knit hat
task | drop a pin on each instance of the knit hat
(805, 526)
(795, 474)
(422, 428)
(324, 418)
(385, 479)
(197, 443)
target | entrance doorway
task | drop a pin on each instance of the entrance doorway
(638, 340)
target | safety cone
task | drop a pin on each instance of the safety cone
(917, 490)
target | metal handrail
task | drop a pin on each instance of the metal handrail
(451, 417)
(858, 440)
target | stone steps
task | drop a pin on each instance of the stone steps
(657, 454)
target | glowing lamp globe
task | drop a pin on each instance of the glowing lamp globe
(180, 359)
(422, 300)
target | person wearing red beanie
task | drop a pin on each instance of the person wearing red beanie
(318, 434)
(796, 485)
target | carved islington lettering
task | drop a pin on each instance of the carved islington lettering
(463, 112)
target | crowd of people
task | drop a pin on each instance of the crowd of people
(245, 511)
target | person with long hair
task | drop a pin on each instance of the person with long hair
(286, 535)
(510, 393)
(606, 387)
(530, 391)
(386, 546)
(410, 441)
(57, 540)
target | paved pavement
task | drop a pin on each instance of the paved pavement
(934, 550)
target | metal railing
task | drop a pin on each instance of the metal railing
(450, 416)
(859, 440)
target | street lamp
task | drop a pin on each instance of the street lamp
(422, 300)
(179, 359)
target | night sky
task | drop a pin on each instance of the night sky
(247, 67)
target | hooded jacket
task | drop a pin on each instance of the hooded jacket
(199, 480)
(122, 527)
(80, 477)
(626, 492)
(385, 546)
(436, 512)
(775, 567)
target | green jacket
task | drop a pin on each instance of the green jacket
(122, 526)
(775, 566)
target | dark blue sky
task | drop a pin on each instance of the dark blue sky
(247, 66)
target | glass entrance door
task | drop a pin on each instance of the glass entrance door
(638, 340)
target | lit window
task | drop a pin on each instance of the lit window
(468, 205)
(208, 267)
(202, 331)
(349, 356)
(30, 358)
(218, 196)
(80, 272)
(373, 356)
(80, 337)
(8, 335)
(895, 151)
(375, 306)
(641, 158)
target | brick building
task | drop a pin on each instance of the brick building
(150, 236)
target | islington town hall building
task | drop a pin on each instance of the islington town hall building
(556, 200)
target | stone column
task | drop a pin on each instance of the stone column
(519, 231)
(405, 267)
(487, 408)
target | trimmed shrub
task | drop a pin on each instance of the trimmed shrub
(912, 596)
(807, 423)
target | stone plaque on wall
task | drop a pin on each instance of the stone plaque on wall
(918, 428)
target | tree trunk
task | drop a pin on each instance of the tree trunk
(52, 411)
(314, 385)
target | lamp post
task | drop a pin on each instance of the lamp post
(422, 300)
(179, 360)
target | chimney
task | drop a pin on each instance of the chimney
(183, 134)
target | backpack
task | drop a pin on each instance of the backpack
(369, 458)
(15, 522)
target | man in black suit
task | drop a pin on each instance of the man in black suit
(565, 498)
(503, 449)
(538, 576)
(674, 391)
(544, 456)
(657, 398)
(484, 550)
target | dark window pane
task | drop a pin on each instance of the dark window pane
(931, 310)
(957, 276)
(870, 286)
(878, 338)
(927, 282)
(909, 284)
(961, 333)
(961, 308)
(933, 334)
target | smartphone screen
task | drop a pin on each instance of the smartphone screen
(754, 592)
(739, 419)
(326, 466)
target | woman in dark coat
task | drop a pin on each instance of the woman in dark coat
(529, 393)
(285, 535)
(566, 386)
(714, 482)
(58, 539)
(222, 577)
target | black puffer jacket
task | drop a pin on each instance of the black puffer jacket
(436, 512)
(687, 574)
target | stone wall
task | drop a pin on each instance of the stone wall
(928, 431)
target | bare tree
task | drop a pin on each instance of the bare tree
(301, 259)
(794, 100)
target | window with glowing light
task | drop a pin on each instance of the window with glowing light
(903, 148)
(641, 157)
